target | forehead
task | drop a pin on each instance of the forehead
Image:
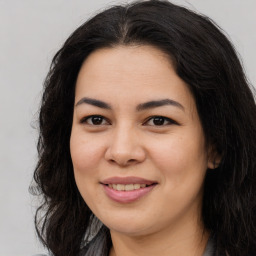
(130, 72)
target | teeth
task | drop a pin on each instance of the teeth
(136, 186)
(119, 187)
(127, 187)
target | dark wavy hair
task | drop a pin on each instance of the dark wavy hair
(206, 60)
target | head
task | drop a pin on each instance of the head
(136, 120)
(204, 61)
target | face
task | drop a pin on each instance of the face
(137, 144)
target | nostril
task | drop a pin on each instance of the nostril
(131, 160)
(123, 163)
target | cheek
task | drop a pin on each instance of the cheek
(85, 154)
(84, 151)
(180, 159)
(182, 165)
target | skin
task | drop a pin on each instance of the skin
(126, 142)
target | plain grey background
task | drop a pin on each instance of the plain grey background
(31, 32)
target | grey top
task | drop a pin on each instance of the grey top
(210, 247)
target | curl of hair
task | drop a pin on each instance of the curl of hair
(205, 59)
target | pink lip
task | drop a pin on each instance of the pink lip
(127, 180)
(127, 196)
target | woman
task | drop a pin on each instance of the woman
(147, 139)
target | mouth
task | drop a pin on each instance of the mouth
(127, 189)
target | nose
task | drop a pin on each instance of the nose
(125, 148)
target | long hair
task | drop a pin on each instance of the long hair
(206, 60)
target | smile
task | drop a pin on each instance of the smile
(127, 187)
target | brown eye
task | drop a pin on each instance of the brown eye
(159, 121)
(95, 120)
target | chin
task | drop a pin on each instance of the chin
(130, 229)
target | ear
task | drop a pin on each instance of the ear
(214, 158)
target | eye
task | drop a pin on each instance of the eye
(95, 120)
(159, 121)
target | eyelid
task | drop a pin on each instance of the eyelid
(106, 121)
(85, 119)
(169, 120)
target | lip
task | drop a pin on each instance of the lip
(128, 180)
(127, 196)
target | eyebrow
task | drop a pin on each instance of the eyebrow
(140, 107)
(158, 103)
(94, 102)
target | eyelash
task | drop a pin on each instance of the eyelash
(163, 121)
(85, 120)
